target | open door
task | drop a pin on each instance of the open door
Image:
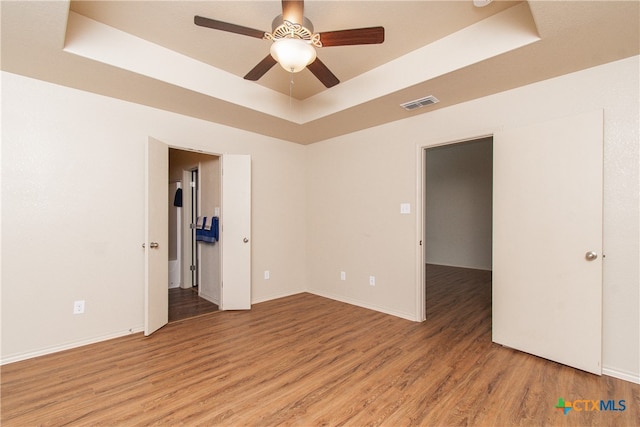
(235, 220)
(547, 241)
(156, 245)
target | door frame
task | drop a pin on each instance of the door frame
(188, 213)
(185, 174)
(166, 212)
(557, 354)
(185, 274)
(421, 174)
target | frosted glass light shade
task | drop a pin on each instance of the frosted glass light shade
(293, 54)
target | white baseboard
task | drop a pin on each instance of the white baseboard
(275, 296)
(622, 375)
(49, 350)
(407, 316)
(211, 299)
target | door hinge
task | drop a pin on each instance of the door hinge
(420, 242)
(192, 267)
(192, 226)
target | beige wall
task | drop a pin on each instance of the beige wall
(355, 184)
(73, 216)
(73, 211)
(458, 205)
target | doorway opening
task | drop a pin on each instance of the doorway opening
(457, 230)
(194, 263)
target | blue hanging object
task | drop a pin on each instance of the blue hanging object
(209, 233)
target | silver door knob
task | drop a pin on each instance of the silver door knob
(590, 256)
(245, 240)
(153, 245)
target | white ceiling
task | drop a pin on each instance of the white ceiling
(150, 52)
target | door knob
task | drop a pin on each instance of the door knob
(245, 240)
(153, 245)
(590, 256)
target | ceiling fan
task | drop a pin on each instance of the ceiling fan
(294, 42)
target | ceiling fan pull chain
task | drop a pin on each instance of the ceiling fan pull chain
(291, 91)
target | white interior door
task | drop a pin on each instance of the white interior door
(156, 302)
(235, 293)
(547, 219)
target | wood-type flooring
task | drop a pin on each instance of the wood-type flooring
(305, 360)
(185, 304)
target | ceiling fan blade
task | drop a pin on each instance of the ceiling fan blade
(261, 69)
(293, 11)
(372, 35)
(225, 26)
(323, 73)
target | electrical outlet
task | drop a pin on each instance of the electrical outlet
(267, 275)
(78, 307)
(343, 275)
(372, 280)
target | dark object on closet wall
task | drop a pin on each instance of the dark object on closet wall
(177, 199)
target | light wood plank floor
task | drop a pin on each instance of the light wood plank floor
(306, 360)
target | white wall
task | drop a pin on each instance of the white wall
(458, 204)
(356, 183)
(73, 216)
(73, 211)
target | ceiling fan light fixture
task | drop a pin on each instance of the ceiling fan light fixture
(293, 54)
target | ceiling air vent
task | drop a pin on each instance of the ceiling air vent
(418, 103)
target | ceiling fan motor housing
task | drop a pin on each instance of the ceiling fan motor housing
(279, 20)
(294, 43)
